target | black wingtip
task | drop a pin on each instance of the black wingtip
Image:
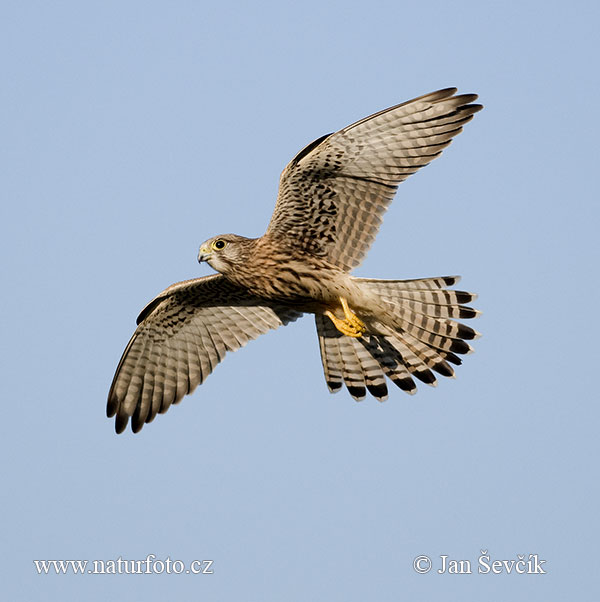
(440, 94)
(136, 427)
(111, 405)
(468, 98)
(121, 423)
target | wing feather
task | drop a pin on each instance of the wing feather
(181, 337)
(333, 194)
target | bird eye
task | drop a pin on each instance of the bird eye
(219, 244)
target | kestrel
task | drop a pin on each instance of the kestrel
(332, 197)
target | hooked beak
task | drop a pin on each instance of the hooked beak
(204, 254)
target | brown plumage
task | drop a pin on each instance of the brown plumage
(331, 201)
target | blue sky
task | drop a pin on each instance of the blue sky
(133, 131)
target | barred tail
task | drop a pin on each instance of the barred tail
(417, 338)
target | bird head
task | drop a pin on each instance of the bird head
(224, 252)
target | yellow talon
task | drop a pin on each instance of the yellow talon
(352, 325)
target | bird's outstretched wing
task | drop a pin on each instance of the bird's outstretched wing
(181, 336)
(334, 192)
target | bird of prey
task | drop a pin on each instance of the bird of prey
(332, 197)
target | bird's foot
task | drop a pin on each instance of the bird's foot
(351, 325)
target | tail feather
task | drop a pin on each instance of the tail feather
(406, 319)
(330, 353)
(431, 357)
(349, 363)
(425, 290)
(391, 362)
(415, 364)
(352, 372)
(436, 310)
(416, 338)
(439, 282)
(374, 377)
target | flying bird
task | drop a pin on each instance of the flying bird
(331, 201)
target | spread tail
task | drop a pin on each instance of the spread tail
(417, 337)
